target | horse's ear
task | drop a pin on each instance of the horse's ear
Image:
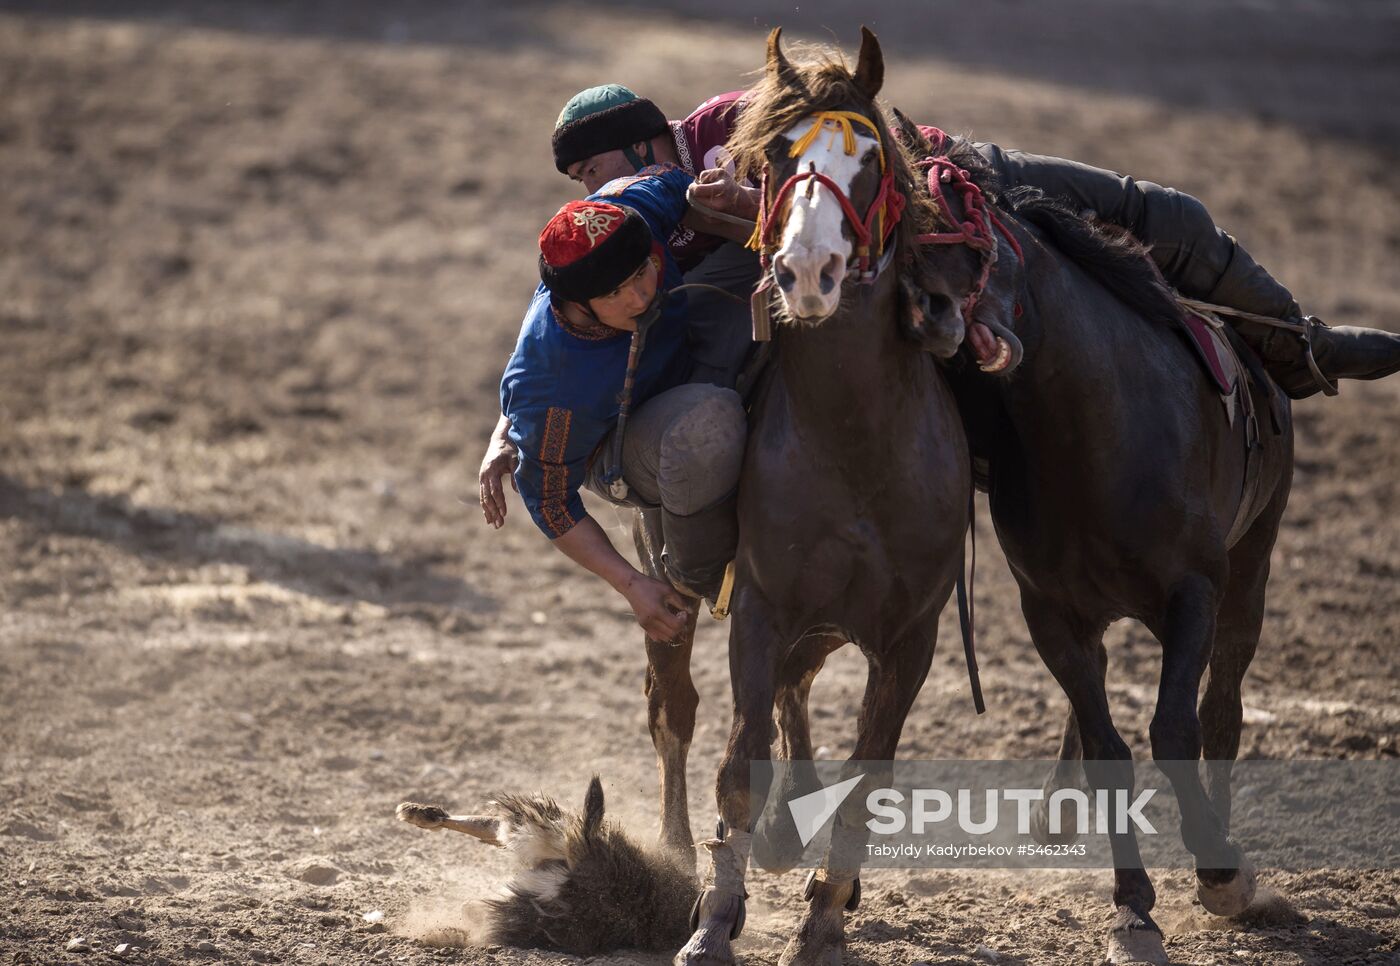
(778, 66)
(910, 135)
(870, 68)
(593, 808)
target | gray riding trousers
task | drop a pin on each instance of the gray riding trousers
(681, 452)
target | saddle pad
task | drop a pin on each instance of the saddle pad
(1214, 354)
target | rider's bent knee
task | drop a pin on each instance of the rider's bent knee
(701, 452)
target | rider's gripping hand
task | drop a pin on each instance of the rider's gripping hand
(716, 188)
(659, 610)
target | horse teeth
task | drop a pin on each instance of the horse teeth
(1003, 357)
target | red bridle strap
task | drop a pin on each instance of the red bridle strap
(975, 231)
(863, 228)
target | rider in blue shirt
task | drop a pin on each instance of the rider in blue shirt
(605, 330)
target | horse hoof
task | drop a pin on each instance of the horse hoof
(708, 947)
(797, 953)
(1136, 946)
(1135, 938)
(705, 951)
(716, 920)
(820, 941)
(1040, 828)
(1230, 897)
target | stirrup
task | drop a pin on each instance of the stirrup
(719, 610)
(1311, 322)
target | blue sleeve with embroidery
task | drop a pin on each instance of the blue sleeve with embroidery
(658, 194)
(554, 446)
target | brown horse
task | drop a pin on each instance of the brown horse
(854, 496)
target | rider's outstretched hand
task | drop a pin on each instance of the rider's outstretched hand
(500, 461)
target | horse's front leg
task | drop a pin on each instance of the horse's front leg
(1066, 773)
(671, 704)
(754, 646)
(891, 686)
(780, 846)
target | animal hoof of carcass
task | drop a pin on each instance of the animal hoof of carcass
(1231, 896)
(1040, 828)
(423, 816)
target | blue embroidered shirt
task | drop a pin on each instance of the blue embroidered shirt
(561, 388)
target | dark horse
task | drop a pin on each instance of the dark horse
(1119, 488)
(854, 496)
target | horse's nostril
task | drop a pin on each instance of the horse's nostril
(831, 273)
(785, 279)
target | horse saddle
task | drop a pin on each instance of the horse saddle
(1223, 366)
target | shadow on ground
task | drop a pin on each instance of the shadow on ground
(174, 536)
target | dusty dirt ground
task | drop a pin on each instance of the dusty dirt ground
(259, 271)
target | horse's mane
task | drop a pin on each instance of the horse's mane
(825, 83)
(1116, 260)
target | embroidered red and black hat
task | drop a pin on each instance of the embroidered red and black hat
(590, 248)
(603, 119)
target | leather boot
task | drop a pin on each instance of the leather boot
(1308, 356)
(700, 546)
(1353, 351)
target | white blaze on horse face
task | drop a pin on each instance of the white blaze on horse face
(811, 261)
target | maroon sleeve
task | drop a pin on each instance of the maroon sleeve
(703, 133)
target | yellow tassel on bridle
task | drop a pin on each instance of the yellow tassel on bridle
(837, 122)
(840, 122)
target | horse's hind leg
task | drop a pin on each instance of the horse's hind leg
(1068, 643)
(891, 686)
(1241, 617)
(671, 704)
(1065, 773)
(1187, 633)
(1236, 638)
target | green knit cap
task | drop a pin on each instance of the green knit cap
(601, 119)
